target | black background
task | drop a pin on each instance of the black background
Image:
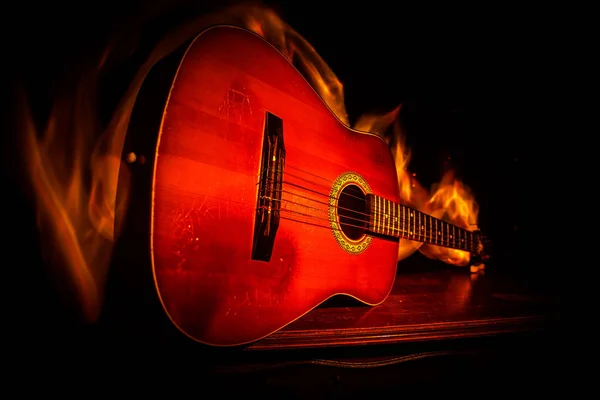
(472, 82)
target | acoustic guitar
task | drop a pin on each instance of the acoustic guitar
(263, 204)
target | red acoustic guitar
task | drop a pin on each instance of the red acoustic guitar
(264, 204)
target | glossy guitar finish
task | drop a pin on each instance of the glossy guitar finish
(205, 190)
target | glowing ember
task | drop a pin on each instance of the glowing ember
(74, 162)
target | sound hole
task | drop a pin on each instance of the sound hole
(352, 211)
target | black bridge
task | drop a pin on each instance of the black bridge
(268, 203)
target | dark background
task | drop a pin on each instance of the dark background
(472, 81)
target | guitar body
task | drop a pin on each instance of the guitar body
(205, 187)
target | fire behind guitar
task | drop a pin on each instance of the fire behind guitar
(257, 202)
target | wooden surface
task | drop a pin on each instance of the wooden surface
(434, 305)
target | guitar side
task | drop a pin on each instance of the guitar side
(204, 195)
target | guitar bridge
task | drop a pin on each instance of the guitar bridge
(268, 203)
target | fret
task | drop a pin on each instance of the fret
(380, 214)
(376, 214)
(394, 220)
(454, 228)
(444, 233)
(392, 206)
(387, 216)
(399, 213)
(420, 232)
(398, 220)
(393, 217)
(413, 214)
(403, 220)
(383, 216)
(385, 227)
(408, 230)
(407, 221)
(415, 226)
(429, 229)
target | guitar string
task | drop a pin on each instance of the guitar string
(367, 226)
(345, 194)
(266, 169)
(353, 196)
(360, 199)
(402, 234)
(392, 231)
(315, 184)
(375, 226)
(385, 226)
(316, 221)
(389, 227)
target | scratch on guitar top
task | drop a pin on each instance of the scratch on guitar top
(236, 104)
(187, 228)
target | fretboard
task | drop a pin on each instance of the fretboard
(391, 219)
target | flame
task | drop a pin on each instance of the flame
(73, 160)
(454, 202)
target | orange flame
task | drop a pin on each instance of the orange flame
(74, 162)
(454, 202)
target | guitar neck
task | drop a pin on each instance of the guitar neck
(390, 219)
